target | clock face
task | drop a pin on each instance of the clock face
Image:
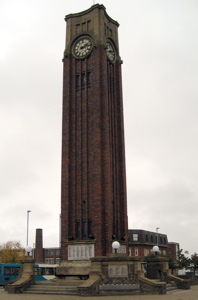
(110, 50)
(82, 47)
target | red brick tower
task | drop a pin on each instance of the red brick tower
(93, 192)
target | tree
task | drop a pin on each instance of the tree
(183, 260)
(11, 252)
(194, 261)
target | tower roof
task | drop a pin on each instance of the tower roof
(99, 6)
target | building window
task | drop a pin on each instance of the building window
(49, 261)
(58, 261)
(49, 252)
(151, 239)
(135, 237)
(146, 237)
(129, 251)
(136, 251)
(146, 252)
(57, 251)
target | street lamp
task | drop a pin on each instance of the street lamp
(155, 250)
(28, 211)
(28, 250)
(116, 246)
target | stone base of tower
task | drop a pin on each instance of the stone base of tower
(114, 274)
(113, 271)
(74, 268)
(119, 274)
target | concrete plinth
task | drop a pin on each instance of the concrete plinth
(25, 279)
(157, 267)
(69, 268)
(27, 267)
(116, 268)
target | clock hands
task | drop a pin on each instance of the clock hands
(82, 47)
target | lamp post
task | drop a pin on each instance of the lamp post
(157, 234)
(155, 248)
(28, 211)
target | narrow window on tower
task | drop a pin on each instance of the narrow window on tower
(88, 79)
(77, 82)
(77, 28)
(84, 26)
(90, 231)
(88, 25)
(77, 230)
(83, 79)
(84, 233)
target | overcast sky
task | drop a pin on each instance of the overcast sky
(159, 47)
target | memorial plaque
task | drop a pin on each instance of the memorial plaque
(117, 271)
(86, 253)
(80, 252)
(122, 249)
(70, 252)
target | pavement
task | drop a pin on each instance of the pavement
(191, 294)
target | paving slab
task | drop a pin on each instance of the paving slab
(191, 294)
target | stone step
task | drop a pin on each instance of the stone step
(62, 287)
(41, 292)
(52, 290)
(119, 289)
(52, 287)
(171, 287)
(60, 283)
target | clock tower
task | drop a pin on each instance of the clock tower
(93, 185)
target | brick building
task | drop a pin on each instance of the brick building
(93, 189)
(141, 242)
(173, 250)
